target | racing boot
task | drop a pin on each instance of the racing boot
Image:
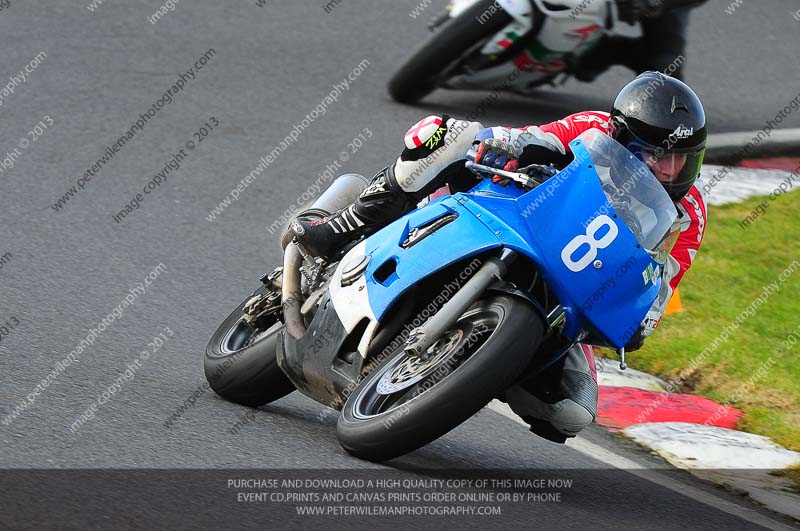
(559, 403)
(378, 204)
(431, 146)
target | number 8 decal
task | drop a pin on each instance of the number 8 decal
(590, 240)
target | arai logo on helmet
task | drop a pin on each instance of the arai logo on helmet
(682, 132)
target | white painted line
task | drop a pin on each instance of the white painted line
(690, 445)
(652, 475)
(739, 183)
(740, 460)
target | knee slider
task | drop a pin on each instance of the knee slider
(569, 417)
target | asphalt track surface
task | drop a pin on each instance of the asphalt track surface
(63, 271)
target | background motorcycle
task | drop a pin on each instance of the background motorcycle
(514, 45)
(414, 329)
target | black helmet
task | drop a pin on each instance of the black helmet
(661, 121)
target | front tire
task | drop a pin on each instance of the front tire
(395, 411)
(419, 74)
(241, 362)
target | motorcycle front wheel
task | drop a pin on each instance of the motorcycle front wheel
(408, 401)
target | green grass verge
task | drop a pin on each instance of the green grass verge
(732, 268)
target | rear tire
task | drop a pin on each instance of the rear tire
(418, 75)
(242, 370)
(377, 423)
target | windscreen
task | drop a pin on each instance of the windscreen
(631, 189)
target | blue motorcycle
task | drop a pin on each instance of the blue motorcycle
(414, 329)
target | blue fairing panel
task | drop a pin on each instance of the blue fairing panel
(614, 292)
(588, 256)
(465, 237)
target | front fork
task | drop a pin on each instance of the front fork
(420, 339)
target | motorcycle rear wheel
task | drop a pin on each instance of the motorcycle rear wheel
(406, 402)
(419, 74)
(241, 362)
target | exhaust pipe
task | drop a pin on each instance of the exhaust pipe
(343, 191)
(291, 295)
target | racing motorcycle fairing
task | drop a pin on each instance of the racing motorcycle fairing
(579, 255)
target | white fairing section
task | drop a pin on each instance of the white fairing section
(459, 6)
(493, 46)
(519, 9)
(561, 30)
(352, 302)
(573, 6)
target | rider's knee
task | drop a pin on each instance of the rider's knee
(571, 417)
(566, 415)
